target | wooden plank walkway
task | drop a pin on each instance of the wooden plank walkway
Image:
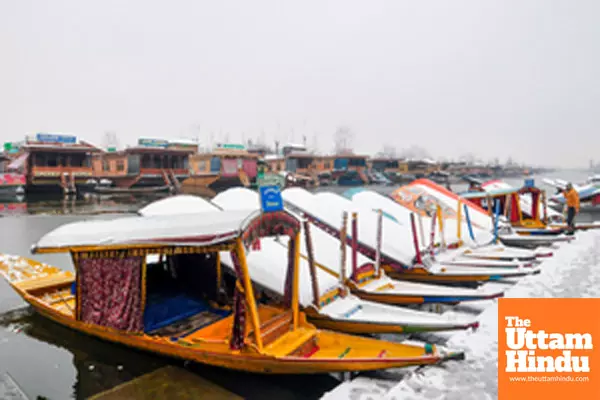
(167, 383)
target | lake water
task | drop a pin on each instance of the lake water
(57, 363)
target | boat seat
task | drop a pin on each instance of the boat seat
(273, 328)
(49, 281)
(299, 342)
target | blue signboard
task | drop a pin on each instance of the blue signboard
(54, 138)
(270, 199)
(529, 183)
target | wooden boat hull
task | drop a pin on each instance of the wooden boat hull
(422, 275)
(336, 352)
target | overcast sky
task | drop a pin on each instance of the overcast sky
(494, 78)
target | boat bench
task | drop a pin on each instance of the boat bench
(273, 328)
(46, 282)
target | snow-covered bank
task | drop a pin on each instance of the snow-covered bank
(573, 271)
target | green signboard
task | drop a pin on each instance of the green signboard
(11, 147)
(231, 146)
(270, 179)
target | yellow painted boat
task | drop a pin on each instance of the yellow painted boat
(115, 296)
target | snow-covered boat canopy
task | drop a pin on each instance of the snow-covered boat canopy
(204, 229)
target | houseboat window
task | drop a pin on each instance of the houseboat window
(304, 163)
(202, 165)
(185, 163)
(51, 160)
(357, 162)
(120, 165)
(146, 161)
(379, 165)
(105, 165)
(326, 165)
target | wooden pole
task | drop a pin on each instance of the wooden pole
(415, 239)
(296, 282)
(311, 263)
(354, 244)
(379, 241)
(249, 293)
(441, 221)
(343, 243)
(459, 223)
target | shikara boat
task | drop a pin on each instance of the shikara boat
(534, 212)
(362, 277)
(505, 202)
(398, 257)
(334, 306)
(116, 296)
(422, 194)
(446, 240)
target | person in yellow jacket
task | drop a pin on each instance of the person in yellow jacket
(572, 200)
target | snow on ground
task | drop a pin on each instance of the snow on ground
(573, 271)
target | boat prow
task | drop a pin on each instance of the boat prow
(533, 241)
(354, 315)
(392, 291)
(456, 275)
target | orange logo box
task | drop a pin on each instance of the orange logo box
(548, 349)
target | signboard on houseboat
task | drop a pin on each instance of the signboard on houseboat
(148, 142)
(55, 138)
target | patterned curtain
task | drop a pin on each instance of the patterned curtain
(239, 308)
(111, 292)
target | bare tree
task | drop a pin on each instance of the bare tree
(388, 151)
(343, 140)
(415, 152)
(110, 140)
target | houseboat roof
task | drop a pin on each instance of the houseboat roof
(81, 147)
(383, 158)
(156, 150)
(273, 157)
(205, 229)
(227, 153)
(302, 155)
(349, 156)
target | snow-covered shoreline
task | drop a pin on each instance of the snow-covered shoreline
(573, 271)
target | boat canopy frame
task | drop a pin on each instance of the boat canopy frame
(255, 226)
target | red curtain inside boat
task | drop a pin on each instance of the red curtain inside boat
(229, 167)
(535, 200)
(514, 208)
(110, 292)
(250, 167)
(239, 308)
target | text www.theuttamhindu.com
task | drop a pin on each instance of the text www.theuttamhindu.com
(549, 379)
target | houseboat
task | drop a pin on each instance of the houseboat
(228, 165)
(154, 165)
(55, 163)
(350, 169)
(12, 183)
(394, 169)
